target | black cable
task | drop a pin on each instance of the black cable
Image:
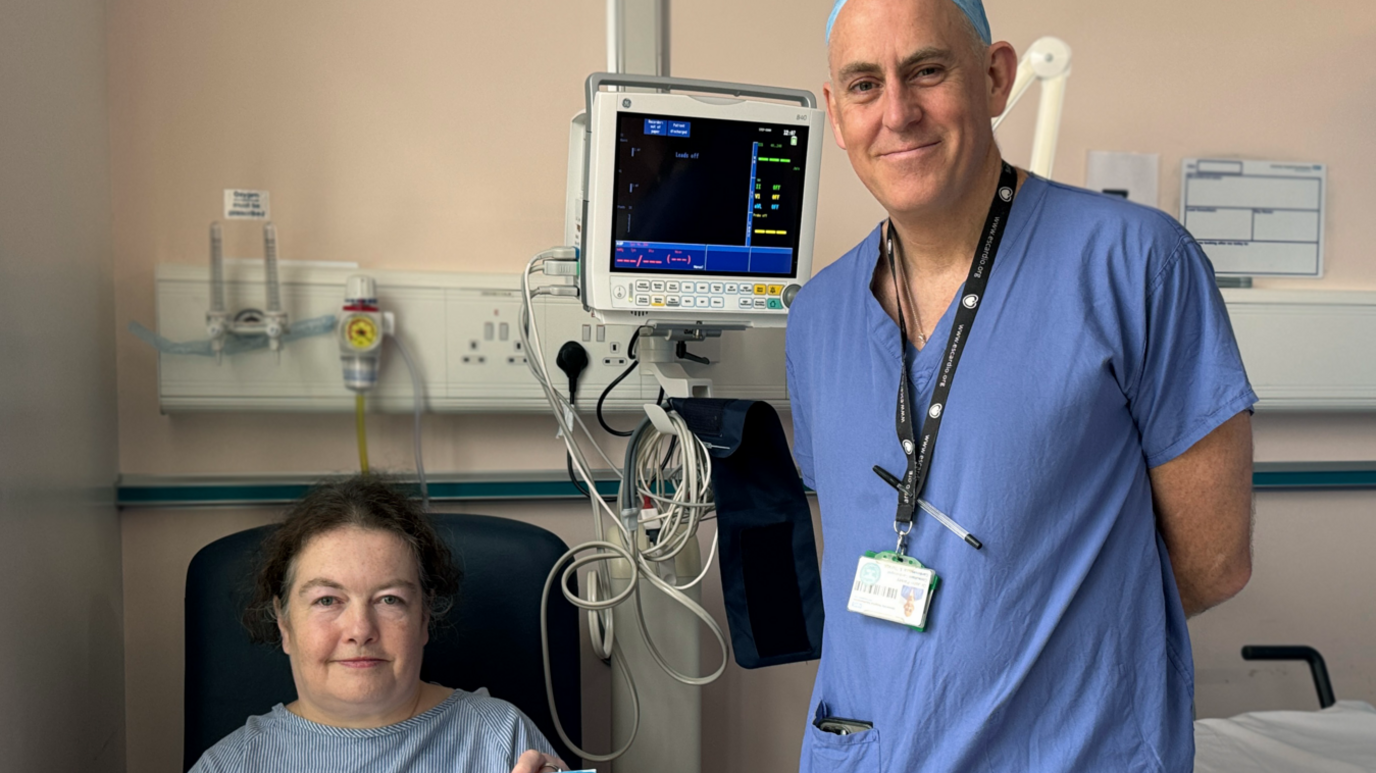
(673, 444)
(630, 350)
(568, 461)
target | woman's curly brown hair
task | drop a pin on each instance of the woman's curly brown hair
(366, 502)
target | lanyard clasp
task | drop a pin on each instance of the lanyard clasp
(902, 547)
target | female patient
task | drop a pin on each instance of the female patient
(349, 586)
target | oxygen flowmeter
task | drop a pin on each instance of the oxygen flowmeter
(362, 328)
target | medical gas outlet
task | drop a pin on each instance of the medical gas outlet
(362, 328)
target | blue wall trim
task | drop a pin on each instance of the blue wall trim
(136, 491)
(166, 493)
(1315, 479)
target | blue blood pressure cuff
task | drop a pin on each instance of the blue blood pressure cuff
(768, 553)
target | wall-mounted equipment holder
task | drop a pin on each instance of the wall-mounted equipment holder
(462, 329)
(270, 321)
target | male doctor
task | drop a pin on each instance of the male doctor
(1051, 371)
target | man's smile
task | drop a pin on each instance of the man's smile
(909, 151)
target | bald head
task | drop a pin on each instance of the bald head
(972, 26)
(973, 10)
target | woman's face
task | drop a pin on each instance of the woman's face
(354, 624)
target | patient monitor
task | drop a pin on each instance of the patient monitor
(693, 211)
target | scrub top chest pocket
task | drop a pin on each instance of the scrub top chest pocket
(856, 752)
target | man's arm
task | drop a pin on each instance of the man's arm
(1203, 501)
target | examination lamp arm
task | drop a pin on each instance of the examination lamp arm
(1047, 61)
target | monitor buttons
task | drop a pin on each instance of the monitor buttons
(704, 287)
(731, 288)
(776, 289)
(718, 303)
(656, 300)
(619, 292)
(775, 303)
(671, 301)
(671, 287)
(759, 303)
(642, 300)
(747, 290)
(718, 287)
(643, 285)
(761, 289)
(747, 303)
(658, 286)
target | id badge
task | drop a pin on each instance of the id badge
(893, 587)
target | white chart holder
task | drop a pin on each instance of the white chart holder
(1256, 218)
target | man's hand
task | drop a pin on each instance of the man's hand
(1203, 502)
(537, 762)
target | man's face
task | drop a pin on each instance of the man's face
(355, 625)
(910, 100)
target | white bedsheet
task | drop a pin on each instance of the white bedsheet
(1338, 739)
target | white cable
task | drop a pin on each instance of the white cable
(617, 659)
(530, 341)
(682, 512)
(692, 498)
(711, 554)
(418, 397)
(701, 613)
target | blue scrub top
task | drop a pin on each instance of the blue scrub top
(1102, 349)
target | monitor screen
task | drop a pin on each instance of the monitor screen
(707, 195)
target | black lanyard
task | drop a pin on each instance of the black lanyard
(920, 452)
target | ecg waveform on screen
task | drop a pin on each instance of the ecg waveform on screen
(646, 255)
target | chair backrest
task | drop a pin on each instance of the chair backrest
(490, 639)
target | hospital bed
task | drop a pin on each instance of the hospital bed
(1339, 738)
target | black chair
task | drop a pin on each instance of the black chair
(490, 639)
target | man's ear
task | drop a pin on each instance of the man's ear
(1001, 71)
(832, 115)
(283, 624)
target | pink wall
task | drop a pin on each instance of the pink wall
(433, 134)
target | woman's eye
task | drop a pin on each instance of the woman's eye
(392, 600)
(325, 601)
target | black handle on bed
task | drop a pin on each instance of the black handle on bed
(1297, 652)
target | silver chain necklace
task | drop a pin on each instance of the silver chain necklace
(908, 290)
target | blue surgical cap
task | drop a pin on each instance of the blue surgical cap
(974, 9)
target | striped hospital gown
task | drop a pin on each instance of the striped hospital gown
(467, 733)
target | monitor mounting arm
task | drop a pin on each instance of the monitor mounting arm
(657, 350)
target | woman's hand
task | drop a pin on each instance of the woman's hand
(536, 762)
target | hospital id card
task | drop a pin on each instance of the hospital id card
(893, 587)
